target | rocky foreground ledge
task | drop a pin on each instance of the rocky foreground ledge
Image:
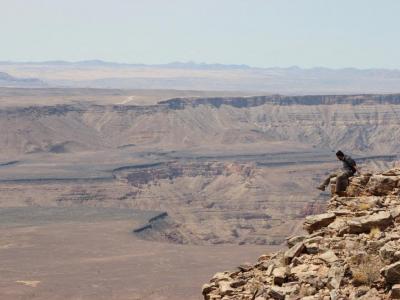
(351, 252)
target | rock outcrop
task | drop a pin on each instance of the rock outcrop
(351, 252)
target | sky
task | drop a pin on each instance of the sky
(262, 33)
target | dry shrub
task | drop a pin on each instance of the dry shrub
(360, 278)
(365, 269)
(375, 232)
(364, 206)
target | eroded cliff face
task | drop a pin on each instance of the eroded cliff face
(351, 252)
(227, 170)
(353, 123)
(220, 202)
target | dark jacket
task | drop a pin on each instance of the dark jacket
(349, 164)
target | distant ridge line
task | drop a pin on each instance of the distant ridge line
(217, 102)
(189, 65)
(239, 102)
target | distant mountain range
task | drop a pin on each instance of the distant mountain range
(203, 76)
(192, 65)
(102, 63)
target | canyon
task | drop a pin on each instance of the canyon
(207, 171)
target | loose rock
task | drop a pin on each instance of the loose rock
(313, 223)
(352, 252)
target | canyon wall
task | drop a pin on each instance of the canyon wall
(359, 124)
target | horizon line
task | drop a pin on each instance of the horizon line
(189, 63)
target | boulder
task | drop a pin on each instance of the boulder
(245, 267)
(207, 288)
(225, 288)
(392, 172)
(357, 184)
(312, 248)
(312, 245)
(293, 252)
(380, 185)
(293, 240)
(270, 269)
(313, 239)
(313, 223)
(264, 265)
(237, 283)
(361, 291)
(264, 257)
(280, 292)
(277, 292)
(387, 252)
(342, 212)
(304, 273)
(296, 271)
(335, 276)
(392, 273)
(339, 226)
(279, 275)
(291, 287)
(220, 276)
(381, 220)
(333, 295)
(329, 257)
(372, 294)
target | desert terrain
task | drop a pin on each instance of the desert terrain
(92, 254)
(199, 76)
(120, 194)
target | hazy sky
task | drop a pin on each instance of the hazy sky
(266, 33)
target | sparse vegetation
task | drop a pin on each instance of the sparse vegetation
(365, 269)
(364, 206)
(375, 232)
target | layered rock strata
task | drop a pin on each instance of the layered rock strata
(350, 252)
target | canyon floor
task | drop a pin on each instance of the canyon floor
(68, 233)
(103, 260)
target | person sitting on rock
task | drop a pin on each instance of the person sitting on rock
(349, 169)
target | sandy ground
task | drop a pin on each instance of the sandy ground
(17, 97)
(104, 260)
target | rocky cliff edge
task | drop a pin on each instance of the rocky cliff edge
(351, 252)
